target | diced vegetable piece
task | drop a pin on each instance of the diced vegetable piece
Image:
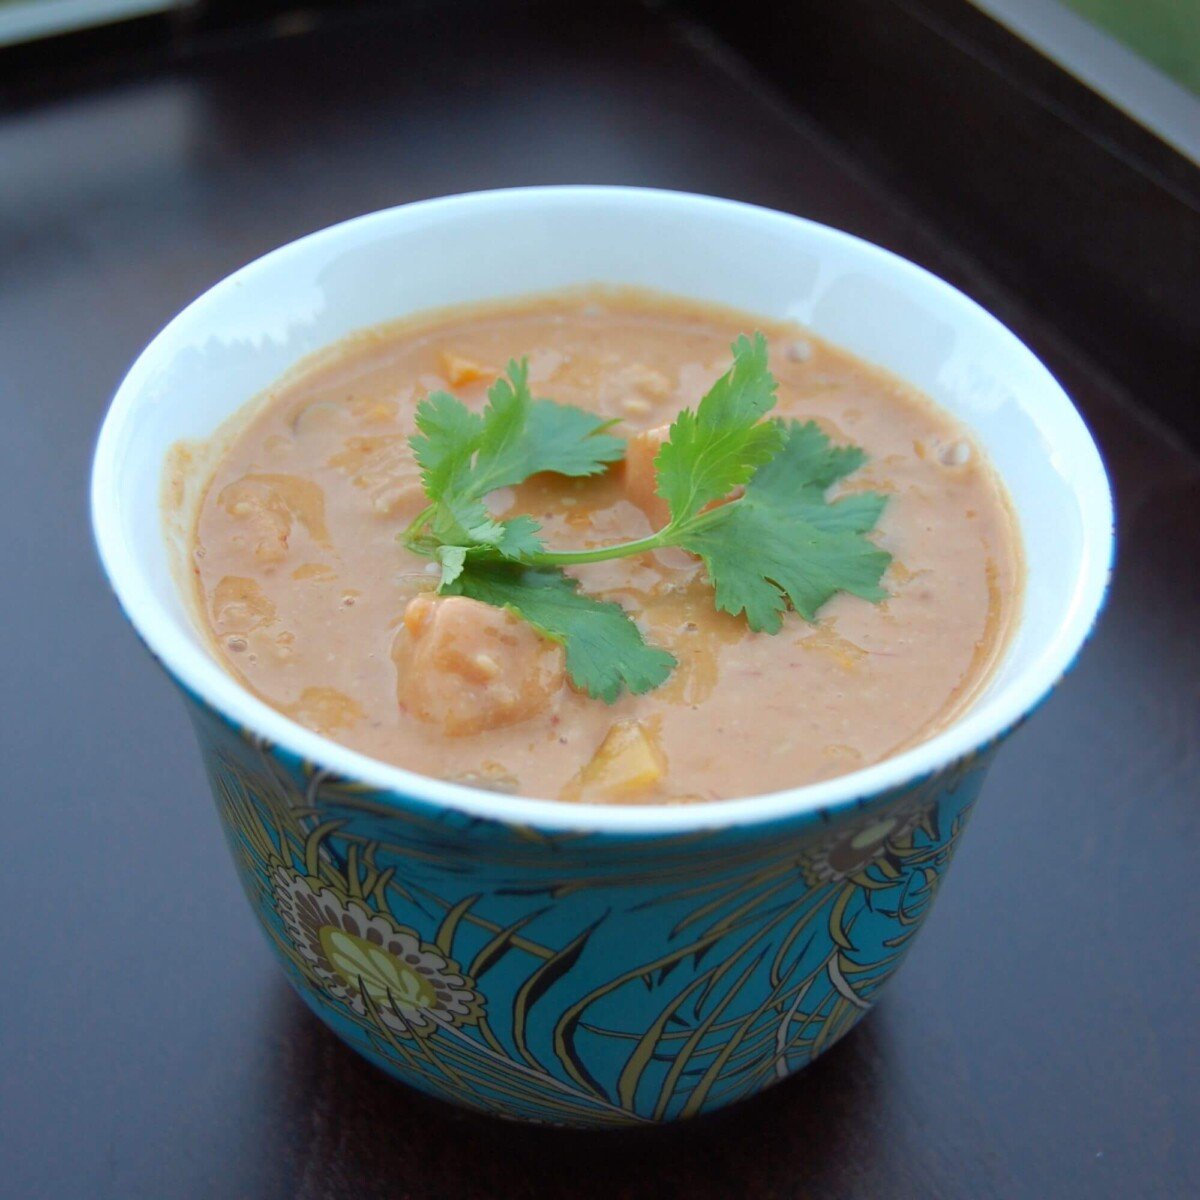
(324, 708)
(640, 479)
(649, 382)
(383, 466)
(239, 605)
(490, 776)
(457, 370)
(268, 505)
(267, 522)
(636, 389)
(375, 411)
(627, 762)
(823, 638)
(321, 416)
(317, 572)
(467, 666)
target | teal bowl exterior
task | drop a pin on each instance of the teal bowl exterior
(591, 979)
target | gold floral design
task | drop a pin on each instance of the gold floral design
(750, 970)
(855, 848)
(362, 959)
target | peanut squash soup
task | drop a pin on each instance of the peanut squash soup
(607, 547)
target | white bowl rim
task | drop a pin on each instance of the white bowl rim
(983, 724)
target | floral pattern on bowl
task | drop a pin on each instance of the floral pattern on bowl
(579, 979)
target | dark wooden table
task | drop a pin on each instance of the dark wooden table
(1041, 1041)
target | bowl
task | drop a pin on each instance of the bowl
(579, 964)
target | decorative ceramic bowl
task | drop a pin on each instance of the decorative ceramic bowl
(581, 964)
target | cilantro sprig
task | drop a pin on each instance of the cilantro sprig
(746, 494)
(605, 650)
(464, 456)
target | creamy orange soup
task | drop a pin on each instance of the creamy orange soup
(314, 607)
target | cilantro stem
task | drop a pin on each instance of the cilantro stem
(669, 535)
(567, 558)
(416, 525)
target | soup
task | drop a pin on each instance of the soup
(314, 605)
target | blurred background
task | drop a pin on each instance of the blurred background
(1042, 155)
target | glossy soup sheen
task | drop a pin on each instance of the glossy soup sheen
(314, 607)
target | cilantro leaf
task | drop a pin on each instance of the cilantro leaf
(716, 448)
(515, 540)
(468, 528)
(465, 455)
(519, 539)
(452, 558)
(808, 467)
(605, 650)
(781, 543)
(858, 513)
(522, 436)
(447, 438)
(464, 521)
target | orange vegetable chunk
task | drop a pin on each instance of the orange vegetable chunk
(469, 667)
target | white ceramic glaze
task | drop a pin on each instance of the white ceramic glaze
(240, 336)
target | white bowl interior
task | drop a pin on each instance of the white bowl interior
(241, 336)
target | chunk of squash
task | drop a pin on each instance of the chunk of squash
(640, 478)
(467, 667)
(457, 370)
(627, 763)
(267, 506)
(240, 606)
